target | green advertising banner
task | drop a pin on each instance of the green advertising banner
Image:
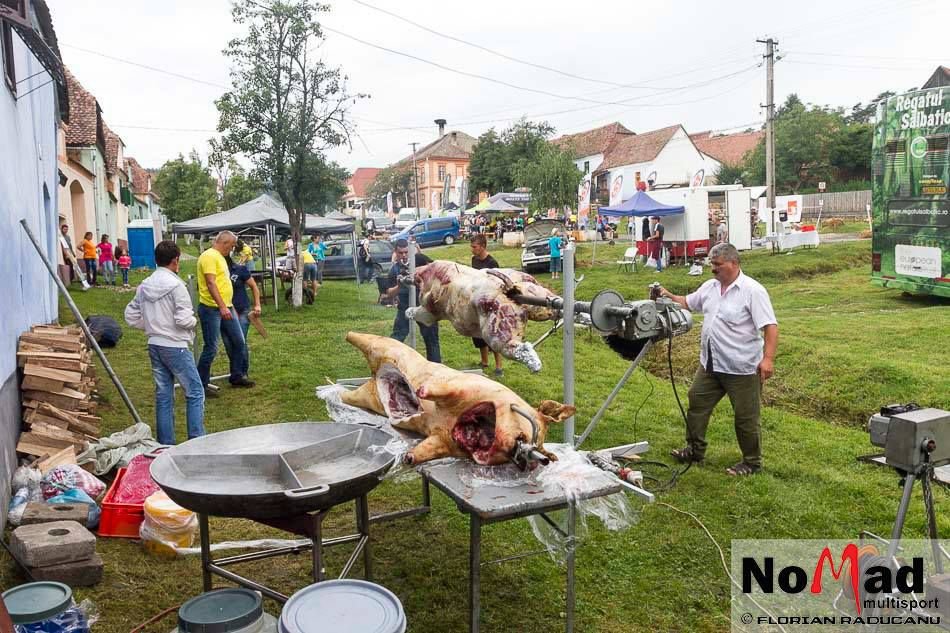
(911, 207)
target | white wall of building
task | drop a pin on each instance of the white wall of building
(29, 188)
(675, 163)
(593, 162)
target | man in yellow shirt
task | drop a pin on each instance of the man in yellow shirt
(217, 315)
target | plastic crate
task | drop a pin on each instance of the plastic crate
(120, 520)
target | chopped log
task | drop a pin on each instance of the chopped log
(56, 342)
(65, 456)
(35, 417)
(67, 401)
(66, 364)
(35, 383)
(32, 444)
(35, 369)
(55, 432)
(34, 347)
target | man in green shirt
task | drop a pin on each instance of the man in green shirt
(217, 315)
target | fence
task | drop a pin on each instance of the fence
(841, 204)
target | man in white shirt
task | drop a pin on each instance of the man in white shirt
(734, 358)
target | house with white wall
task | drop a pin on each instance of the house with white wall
(32, 103)
(667, 156)
(589, 147)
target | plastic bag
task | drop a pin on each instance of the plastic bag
(26, 477)
(651, 262)
(137, 484)
(77, 495)
(167, 527)
(18, 506)
(68, 476)
(76, 619)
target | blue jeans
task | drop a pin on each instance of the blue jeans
(125, 276)
(555, 264)
(108, 271)
(245, 325)
(91, 270)
(168, 364)
(230, 331)
(430, 335)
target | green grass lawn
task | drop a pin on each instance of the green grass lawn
(845, 349)
(849, 226)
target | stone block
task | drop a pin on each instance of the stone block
(42, 512)
(81, 573)
(45, 544)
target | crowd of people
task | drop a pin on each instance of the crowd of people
(99, 262)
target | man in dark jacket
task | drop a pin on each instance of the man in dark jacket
(481, 260)
(401, 325)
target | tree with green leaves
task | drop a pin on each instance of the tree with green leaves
(186, 188)
(396, 179)
(552, 177)
(286, 106)
(729, 174)
(240, 188)
(496, 157)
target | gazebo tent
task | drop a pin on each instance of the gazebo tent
(265, 216)
(641, 205)
(339, 215)
(500, 206)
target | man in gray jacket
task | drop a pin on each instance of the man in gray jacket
(162, 307)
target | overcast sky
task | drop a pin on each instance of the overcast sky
(678, 61)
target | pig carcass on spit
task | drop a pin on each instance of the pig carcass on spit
(461, 415)
(479, 304)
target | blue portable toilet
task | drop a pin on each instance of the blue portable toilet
(142, 243)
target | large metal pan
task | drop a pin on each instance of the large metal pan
(275, 470)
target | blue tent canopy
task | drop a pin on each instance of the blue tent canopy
(641, 205)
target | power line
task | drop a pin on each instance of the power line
(891, 57)
(853, 66)
(470, 74)
(498, 53)
(147, 67)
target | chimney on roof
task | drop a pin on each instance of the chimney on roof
(455, 136)
(441, 124)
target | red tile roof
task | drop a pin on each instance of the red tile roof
(84, 115)
(630, 149)
(455, 144)
(361, 179)
(728, 148)
(596, 141)
(140, 177)
(941, 77)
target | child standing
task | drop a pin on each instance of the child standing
(125, 263)
(106, 259)
(89, 257)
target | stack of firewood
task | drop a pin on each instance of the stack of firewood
(58, 389)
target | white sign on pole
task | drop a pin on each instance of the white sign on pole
(616, 190)
(821, 186)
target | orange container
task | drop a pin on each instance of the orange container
(121, 520)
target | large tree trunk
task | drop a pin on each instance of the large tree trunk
(296, 217)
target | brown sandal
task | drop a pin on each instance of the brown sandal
(742, 469)
(685, 455)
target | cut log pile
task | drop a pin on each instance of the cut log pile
(58, 390)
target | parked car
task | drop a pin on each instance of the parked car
(339, 264)
(536, 254)
(432, 231)
(406, 218)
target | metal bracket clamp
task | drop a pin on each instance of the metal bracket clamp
(526, 452)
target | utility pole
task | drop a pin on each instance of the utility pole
(770, 129)
(415, 175)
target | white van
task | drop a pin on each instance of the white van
(406, 218)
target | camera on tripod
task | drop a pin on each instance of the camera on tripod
(911, 436)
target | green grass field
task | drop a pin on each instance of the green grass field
(845, 349)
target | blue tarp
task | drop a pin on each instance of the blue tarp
(641, 205)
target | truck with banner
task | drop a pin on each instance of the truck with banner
(910, 247)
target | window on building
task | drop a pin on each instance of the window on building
(422, 175)
(586, 166)
(441, 173)
(6, 43)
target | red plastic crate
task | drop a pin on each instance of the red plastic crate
(121, 520)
